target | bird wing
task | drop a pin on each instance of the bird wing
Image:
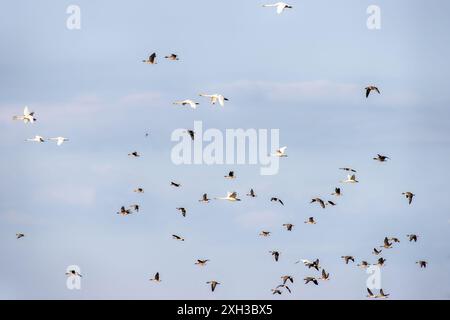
(26, 112)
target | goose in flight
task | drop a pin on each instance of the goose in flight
(172, 57)
(139, 190)
(39, 139)
(381, 295)
(330, 203)
(19, 235)
(370, 89)
(422, 263)
(386, 244)
(182, 211)
(204, 198)
(231, 196)
(213, 284)
(348, 169)
(370, 294)
(265, 233)
(214, 98)
(156, 278)
(151, 59)
(275, 254)
(409, 196)
(310, 221)
(348, 258)
(311, 279)
(288, 226)
(276, 291)
(189, 102)
(59, 140)
(281, 153)
(337, 192)
(309, 264)
(175, 184)
(381, 262)
(174, 236)
(319, 201)
(412, 237)
(134, 154)
(325, 276)
(201, 262)
(124, 212)
(135, 207)
(376, 252)
(73, 273)
(381, 158)
(283, 286)
(274, 199)
(286, 279)
(27, 117)
(396, 240)
(363, 264)
(230, 175)
(251, 193)
(191, 133)
(280, 6)
(350, 179)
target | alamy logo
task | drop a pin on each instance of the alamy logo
(236, 146)
(374, 280)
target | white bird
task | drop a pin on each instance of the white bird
(36, 139)
(215, 98)
(280, 6)
(280, 152)
(350, 179)
(189, 102)
(28, 117)
(231, 196)
(59, 140)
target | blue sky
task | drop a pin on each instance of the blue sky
(302, 72)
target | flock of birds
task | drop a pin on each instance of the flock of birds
(28, 117)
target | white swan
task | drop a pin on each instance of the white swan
(27, 117)
(189, 102)
(59, 140)
(36, 139)
(280, 6)
(350, 179)
(215, 98)
(280, 152)
(231, 196)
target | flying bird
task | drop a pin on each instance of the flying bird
(134, 154)
(422, 263)
(331, 203)
(27, 117)
(274, 199)
(175, 184)
(151, 59)
(348, 169)
(201, 262)
(72, 273)
(311, 279)
(139, 190)
(135, 207)
(230, 175)
(325, 276)
(251, 193)
(310, 221)
(59, 140)
(363, 264)
(231, 196)
(186, 102)
(214, 98)
(319, 201)
(156, 278)
(370, 89)
(337, 192)
(19, 235)
(174, 236)
(288, 226)
(286, 279)
(280, 6)
(381, 158)
(265, 233)
(381, 262)
(275, 254)
(281, 153)
(39, 139)
(213, 284)
(124, 212)
(182, 211)
(412, 237)
(191, 134)
(204, 198)
(386, 244)
(172, 57)
(376, 252)
(348, 258)
(350, 179)
(409, 196)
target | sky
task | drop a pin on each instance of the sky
(303, 72)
